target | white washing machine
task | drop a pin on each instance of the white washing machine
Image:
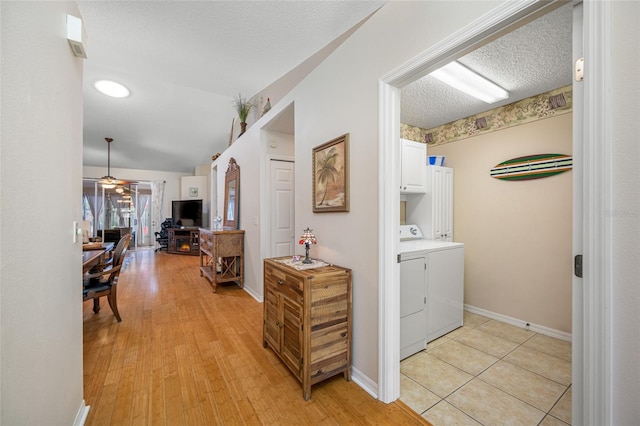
(431, 289)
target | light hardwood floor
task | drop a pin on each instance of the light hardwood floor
(183, 355)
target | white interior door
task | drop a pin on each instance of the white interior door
(281, 226)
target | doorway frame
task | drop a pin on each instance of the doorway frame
(591, 392)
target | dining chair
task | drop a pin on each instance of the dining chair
(103, 279)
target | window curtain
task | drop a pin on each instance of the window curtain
(143, 226)
(157, 194)
(113, 213)
(95, 204)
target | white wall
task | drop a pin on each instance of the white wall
(188, 183)
(625, 216)
(278, 143)
(341, 96)
(248, 153)
(41, 192)
(202, 170)
(201, 183)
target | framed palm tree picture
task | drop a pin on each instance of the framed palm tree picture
(331, 176)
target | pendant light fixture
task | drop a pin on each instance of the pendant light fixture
(108, 181)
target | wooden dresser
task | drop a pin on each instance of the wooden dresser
(228, 248)
(307, 320)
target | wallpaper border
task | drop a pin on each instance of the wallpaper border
(527, 110)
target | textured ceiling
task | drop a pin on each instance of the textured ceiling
(531, 60)
(184, 62)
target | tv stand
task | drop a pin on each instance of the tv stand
(184, 241)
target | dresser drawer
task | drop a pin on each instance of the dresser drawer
(282, 282)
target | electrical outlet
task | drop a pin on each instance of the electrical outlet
(256, 221)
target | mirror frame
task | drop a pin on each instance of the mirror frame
(231, 178)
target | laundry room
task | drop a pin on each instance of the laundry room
(516, 230)
(517, 234)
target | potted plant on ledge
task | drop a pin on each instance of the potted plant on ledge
(242, 107)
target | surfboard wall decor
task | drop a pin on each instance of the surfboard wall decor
(532, 167)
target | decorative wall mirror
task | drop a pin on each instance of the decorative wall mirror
(231, 196)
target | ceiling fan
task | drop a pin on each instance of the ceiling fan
(108, 181)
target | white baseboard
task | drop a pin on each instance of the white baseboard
(364, 382)
(82, 414)
(537, 328)
(253, 294)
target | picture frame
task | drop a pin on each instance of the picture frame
(193, 191)
(330, 172)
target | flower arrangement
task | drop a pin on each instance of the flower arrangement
(242, 107)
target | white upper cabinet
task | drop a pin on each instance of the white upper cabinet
(413, 167)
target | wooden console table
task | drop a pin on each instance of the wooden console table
(183, 241)
(223, 248)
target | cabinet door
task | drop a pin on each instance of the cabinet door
(440, 186)
(272, 318)
(291, 350)
(446, 204)
(413, 166)
(412, 288)
(413, 314)
(438, 202)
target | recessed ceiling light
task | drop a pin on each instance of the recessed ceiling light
(462, 78)
(111, 88)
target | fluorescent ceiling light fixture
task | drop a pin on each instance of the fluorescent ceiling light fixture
(111, 88)
(462, 78)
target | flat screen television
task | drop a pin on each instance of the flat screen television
(187, 213)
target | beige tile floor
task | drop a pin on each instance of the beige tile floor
(490, 373)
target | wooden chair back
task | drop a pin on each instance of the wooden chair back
(101, 287)
(121, 249)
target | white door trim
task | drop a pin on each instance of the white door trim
(578, 223)
(597, 236)
(389, 220)
(596, 231)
